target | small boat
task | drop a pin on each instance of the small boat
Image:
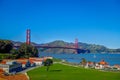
(94, 56)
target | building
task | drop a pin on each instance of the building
(90, 65)
(25, 62)
(102, 65)
(11, 66)
(117, 66)
(37, 61)
(17, 65)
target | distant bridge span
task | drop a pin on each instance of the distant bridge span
(55, 47)
(40, 46)
(78, 50)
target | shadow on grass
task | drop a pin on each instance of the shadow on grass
(56, 70)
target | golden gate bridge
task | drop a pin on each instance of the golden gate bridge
(75, 47)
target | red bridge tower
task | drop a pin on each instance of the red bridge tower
(76, 43)
(28, 37)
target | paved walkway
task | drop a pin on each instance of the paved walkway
(67, 64)
(28, 69)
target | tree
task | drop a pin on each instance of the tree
(5, 46)
(48, 63)
(26, 51)
(14, 54)
(83, 62)
(14, 51)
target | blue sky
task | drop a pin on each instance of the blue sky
(91, 21)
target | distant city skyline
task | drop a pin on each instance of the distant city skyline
(91, 21)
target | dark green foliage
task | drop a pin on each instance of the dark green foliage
(15, 54)
(0, 60)
(5, 46)
(14, 51)
(47, 63)
(6, 56)
(27, 51)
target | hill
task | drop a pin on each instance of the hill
(93, 48)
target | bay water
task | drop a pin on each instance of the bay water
(110, 58)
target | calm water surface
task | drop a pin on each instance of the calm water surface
(76, 58)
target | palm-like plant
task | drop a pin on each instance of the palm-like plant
(48, 63)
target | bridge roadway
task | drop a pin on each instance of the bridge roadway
(40, 46)
(77, 49)
(56, 47)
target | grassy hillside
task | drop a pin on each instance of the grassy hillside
(63, 72)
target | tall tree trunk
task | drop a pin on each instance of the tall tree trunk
(47, 68)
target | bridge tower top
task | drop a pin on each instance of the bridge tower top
(28, 36)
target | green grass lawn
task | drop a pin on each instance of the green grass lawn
(63, 72)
